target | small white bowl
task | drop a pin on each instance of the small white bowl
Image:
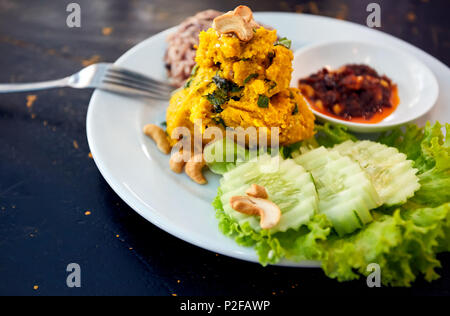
(417, 86)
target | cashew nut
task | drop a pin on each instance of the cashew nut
(269, 212)
(257, 191)
(177, 162)
(194, 168)
(159, 136)
(240, 22)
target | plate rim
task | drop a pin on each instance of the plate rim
(136, 205)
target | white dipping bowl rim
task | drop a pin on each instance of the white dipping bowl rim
(384, 125)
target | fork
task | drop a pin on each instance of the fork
(104, 76)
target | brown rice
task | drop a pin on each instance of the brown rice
(181, 48)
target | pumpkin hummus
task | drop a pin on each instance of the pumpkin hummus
(242, 84)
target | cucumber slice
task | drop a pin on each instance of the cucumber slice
(391, 173)
(223, 155)
(287, 183)
(346, 194)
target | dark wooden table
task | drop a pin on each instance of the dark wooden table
(55, 207)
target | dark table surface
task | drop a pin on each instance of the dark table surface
(48, 181)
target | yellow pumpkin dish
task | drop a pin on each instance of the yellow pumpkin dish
(238, 83)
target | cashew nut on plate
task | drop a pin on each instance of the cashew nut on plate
(257, 191)
(269, 212)
(177, 162)
(194, 168)
(159, 136)
(240, 22)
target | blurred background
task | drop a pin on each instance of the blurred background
(55, 207)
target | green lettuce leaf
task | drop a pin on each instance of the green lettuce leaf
(430, 152)
(404, 245)
(298, 245)
(329, 135)
(403, 241)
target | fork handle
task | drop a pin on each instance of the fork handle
(21, 87)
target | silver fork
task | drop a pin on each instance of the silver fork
(103, 76)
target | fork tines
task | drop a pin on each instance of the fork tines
(137, 83)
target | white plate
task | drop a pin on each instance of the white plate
(417, 86)
(139, 173)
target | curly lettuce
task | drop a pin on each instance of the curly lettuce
(329, 135)
(430, 151)
(403, 241)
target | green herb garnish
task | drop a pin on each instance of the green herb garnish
(194, 70)
(188, 83)
(219, 121)
(295, 111)
(284, 42)
(236, 88)
(291, 95)
(222, 94)
(263, 101)
(226, 85)
(250, 77)
(217, 98)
